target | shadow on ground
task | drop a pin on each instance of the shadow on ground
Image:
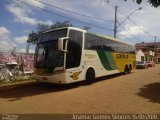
(33, 89)
(151, 92)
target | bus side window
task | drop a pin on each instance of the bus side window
(74, 49)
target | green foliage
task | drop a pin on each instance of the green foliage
(17, 81)
(60, 24)
(33, 37)
(86, 28)
(138, 1)
(155, 3)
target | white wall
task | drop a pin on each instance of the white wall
(151, 53)
(139, 55)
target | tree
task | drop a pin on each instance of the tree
(155, 3)
(86, 28)
(61, 24)
(34, 35)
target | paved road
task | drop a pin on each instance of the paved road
(138, 92)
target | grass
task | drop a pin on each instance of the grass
(17, 81)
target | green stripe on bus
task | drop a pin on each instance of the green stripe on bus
(107, 60)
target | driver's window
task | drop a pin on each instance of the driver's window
(74, 49)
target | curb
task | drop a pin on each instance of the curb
(16, 85)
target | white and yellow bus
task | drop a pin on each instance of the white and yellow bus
(71, 54)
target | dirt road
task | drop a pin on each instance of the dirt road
(138, 92)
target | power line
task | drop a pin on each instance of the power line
(107, 2)
(130, 40)
(129, 19)
(147, 33)
(140, 28)
(80, 14)
(131, 35)
(51, 12)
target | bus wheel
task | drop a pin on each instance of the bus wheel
(130, 68)
(127, 70)
(90, 76)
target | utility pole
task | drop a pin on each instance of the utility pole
(155, 49)
(27, 48)
(115, 22)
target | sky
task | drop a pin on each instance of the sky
(18, 19)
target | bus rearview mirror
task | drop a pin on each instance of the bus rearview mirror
(62, 43)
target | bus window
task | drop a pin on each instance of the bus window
(74, 49)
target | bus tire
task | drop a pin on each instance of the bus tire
(130, 68)
(127, 70)
(90, 76)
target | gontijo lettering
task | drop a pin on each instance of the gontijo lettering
(122, 56)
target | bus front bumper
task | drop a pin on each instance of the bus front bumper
(58, 78)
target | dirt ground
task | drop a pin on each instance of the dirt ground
(138, 92)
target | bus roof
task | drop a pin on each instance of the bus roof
(98, 35)
(73, 28)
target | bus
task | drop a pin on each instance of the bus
(71, 54)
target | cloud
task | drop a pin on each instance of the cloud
(35, 3)
(94, 8)
(5, 41)
(131, 31)
(21, 39)
(27, 31)
(146, 19)
(4, 30)
(48, 22)
(4, 33)
(5, 46)
(21, 13)
(97, 8)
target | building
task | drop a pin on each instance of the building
(158, 55)
(150, 50)
(140, 55)
(27, 60)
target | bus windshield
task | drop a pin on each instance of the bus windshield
(47, 54)
(53, 35)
